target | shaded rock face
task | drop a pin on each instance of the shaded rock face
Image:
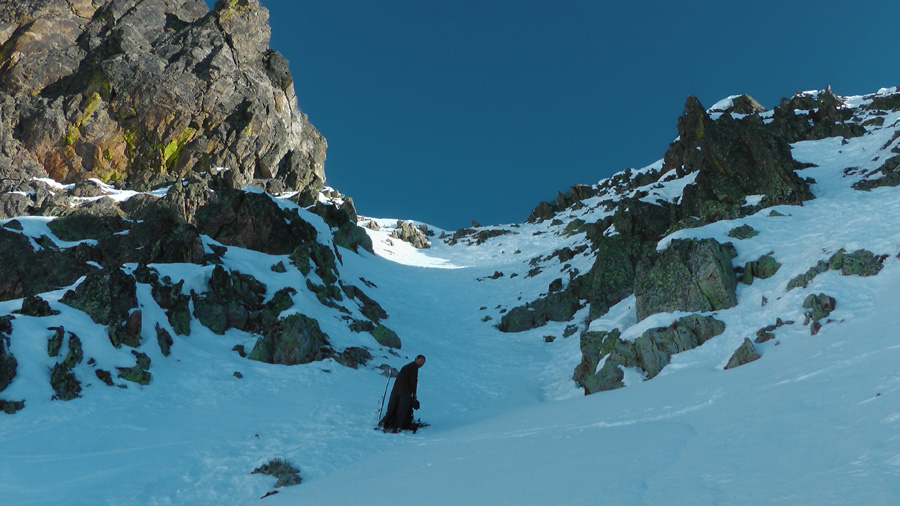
(689, 275)
(28, 272)
(735, 158)
(144, 91)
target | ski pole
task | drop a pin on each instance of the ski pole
(383, 396)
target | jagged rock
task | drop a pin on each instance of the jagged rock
(29, 272)
(859, 263)
(353, 357)
(888, 175)
(164, 339)
(232, 299)
(745, 354)
(107, 296)
(408, 233)
(35, 306)
(817, 307)
(127, 332)
(84, 225)
(285, 473)
(253, 221)
(63, 381)
(558, 307)
(386, 337)
(8, 363)
(138, 373)
(159, 237)
(821, 115)
(55, 341)
(10, 407)
(146, 91)
(369, 307)
(763, 268)
(650, 352)
(735, 159)
(689, 275)
(174, 302)
(296, 339)
(743, 232)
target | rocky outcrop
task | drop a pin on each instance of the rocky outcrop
(8, 363)
(689, 275)
(650, 352)
(27, 271)
(296, 339)
(734, 159)
(143, 92)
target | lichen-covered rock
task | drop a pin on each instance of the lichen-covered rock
(817, 307)
(353, 357)
(138, 373)
(106, 295)
(146, 91)
(558, 307)
(650, 352)
(689, 275)
(386, 337)
(763, 268)
(745, 354)
(408, 233)
(734, 159)
(63, 381)
(296, 339)
(35, 306)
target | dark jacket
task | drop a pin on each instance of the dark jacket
(407, 379)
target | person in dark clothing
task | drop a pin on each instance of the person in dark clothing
(403, 395)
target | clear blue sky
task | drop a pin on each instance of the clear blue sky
(449, 111)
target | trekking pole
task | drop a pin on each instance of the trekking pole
(384, 396)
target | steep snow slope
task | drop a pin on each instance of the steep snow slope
(814, 421)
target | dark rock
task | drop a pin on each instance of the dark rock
(558, 307)
(63, 381)
(734, 159)
(353, 357)
(823, 115)
(231, 301)
(35, 306)
(818, 307)
(11, 407)
(164, 339)
(253, 221)
(745, 354)
(859, 263)
(55, 341)
(8, 363)
(29, 272)
(689, 275)
(104, 376)
(107, 296)
(139, 372)
(285, 473)
(743, 232)
(763, 268)
(296, 339)
(362, 326)
(127, 332)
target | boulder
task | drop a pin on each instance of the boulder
(745, 354)
(763, 268)
(107, 296)
(690, 275)
(386, 337)
(296, 339)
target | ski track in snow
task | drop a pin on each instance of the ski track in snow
(814, 421)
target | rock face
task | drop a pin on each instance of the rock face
(689, 275)
(142, 92)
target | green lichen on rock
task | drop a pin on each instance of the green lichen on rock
(859, 263)
(386, 337)
(295, 339)
(763, 268)
(689, 275)
(285, 473)
(139, 373)
(743, 232)
(745, 354)
(650, 352)
(62, 379)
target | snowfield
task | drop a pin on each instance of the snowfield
(815, 421)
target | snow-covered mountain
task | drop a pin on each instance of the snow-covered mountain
(811, 421)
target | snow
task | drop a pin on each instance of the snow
(814, 421)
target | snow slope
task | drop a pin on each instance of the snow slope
(814, 421)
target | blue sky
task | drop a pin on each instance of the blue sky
(452, 111)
